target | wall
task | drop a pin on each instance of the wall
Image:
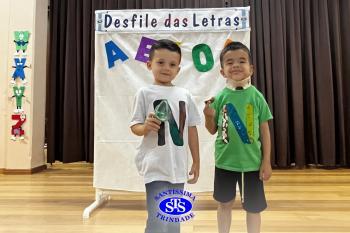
(27, 154)
(4, 25)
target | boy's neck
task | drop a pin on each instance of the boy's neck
(239, 85)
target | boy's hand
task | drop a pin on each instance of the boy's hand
(208, 111)
(195, 173)
(151, 123)
(265, 171)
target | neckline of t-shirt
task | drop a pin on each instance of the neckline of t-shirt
(239, 91)
(161, 86)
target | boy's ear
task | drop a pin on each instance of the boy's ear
(222, 73)
(251, 70)
(148, 64)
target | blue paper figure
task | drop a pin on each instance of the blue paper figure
(19, 71)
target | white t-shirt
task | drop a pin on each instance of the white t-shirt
(162, 155)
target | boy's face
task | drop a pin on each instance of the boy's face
(236, 65)
(164, 66)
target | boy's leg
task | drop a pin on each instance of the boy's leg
(254, 200)
(154, 224)
(253, 222)
(224, 193)
(224, 216)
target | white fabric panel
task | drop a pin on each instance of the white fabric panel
(115, 145)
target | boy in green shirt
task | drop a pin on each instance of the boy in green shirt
(240, 114)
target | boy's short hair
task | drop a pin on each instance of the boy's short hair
(235, 45)
(164, 44)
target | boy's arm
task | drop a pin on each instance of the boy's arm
(209, 114)
(138, 129)
(265, 169)
(151, 124)
(210, 125)
(194, 147)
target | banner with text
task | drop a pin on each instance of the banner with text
(173, 20)
(122, 43)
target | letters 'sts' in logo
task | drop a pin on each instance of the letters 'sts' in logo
(177, 207)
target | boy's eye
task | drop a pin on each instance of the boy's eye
(172, 65)
(160, 62)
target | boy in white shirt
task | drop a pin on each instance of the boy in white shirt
(162, 156)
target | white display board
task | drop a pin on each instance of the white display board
(122, 40)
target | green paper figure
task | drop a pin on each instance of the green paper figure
(21, 40)
(18, 93)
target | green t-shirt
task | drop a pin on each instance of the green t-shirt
(239, 114)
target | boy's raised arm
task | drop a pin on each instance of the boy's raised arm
(151, 124)
(209, 114)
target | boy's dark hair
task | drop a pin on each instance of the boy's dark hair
(164, 44)
(235, 45)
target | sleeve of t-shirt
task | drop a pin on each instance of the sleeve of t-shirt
(194, 118)
(139, 112)
(265, 113)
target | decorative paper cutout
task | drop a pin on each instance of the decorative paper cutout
(178, 43)
(114, 53)
(227, 42)
(21, 40)
(20, 64)
(17, 130)
(144, 49)
(208, 56)
(18, 93)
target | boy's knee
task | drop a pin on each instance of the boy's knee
(226, 205)
(253, 214)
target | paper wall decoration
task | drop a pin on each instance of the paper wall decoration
(18, 93)
(17, 130)
(21, 41)
(20, 64)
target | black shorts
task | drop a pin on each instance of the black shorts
(225, 189)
